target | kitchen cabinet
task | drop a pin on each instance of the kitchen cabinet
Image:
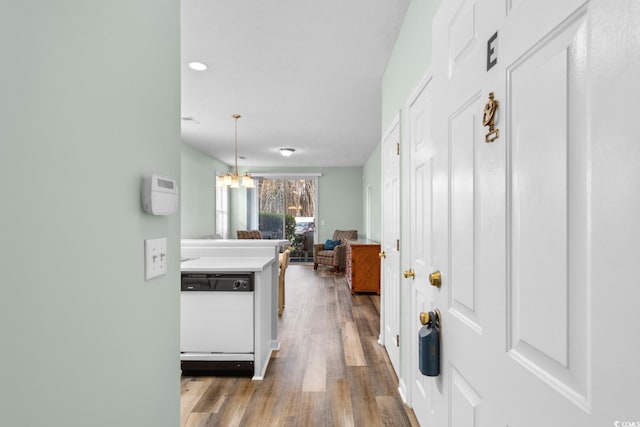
(363, 266)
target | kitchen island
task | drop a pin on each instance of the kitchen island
(228, 326)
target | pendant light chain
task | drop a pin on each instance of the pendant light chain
(233, 181)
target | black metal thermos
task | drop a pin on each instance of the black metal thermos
(429, 350)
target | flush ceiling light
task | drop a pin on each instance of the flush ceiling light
(198, 66)
(287, 152)
(235, 180)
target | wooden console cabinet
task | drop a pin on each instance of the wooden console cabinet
(363, 266)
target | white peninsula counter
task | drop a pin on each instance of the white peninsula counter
(225, 264)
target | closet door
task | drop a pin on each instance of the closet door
(390, 262)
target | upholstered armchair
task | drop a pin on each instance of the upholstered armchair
(337, 256)
(248, 234)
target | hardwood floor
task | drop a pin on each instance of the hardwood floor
(330, 370)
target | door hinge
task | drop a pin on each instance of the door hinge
(398, 244)
(398, 148)
(397, 340)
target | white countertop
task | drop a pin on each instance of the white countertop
(233, 242)
(225, 264)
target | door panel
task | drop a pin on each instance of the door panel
(462, 211)
(463, 323)
(465, 402)
(462, 34)
(390, 290)
(421, 160)
(548, 207)
(463, 138)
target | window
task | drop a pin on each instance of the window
(285, 208)
(222, 211)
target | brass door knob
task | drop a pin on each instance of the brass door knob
(424, 318)
(409, 274)
(382, 254)
(430, 317)
(435, 279)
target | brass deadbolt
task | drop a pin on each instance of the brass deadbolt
(435, 279)
(409, 274)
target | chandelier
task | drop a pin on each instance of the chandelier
(235, 180)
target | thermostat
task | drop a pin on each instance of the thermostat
(159, 195)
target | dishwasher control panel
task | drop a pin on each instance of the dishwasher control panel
(217, 282)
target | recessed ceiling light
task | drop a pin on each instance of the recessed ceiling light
(287, 152)
(198, 66)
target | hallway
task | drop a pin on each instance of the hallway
(330, 370)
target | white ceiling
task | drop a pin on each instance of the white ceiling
(302, 73)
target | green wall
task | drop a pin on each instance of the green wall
(340, 196)
(198, 196)
(90, 103)
(373, 178)
(410, 59)
(340, 201)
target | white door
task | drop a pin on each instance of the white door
(539, 265)
(464, 202)
(421, 155)
(390, 262)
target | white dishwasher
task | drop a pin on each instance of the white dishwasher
(216, 321)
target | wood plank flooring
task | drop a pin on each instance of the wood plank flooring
(330, 370)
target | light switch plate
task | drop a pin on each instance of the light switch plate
(155, 257)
